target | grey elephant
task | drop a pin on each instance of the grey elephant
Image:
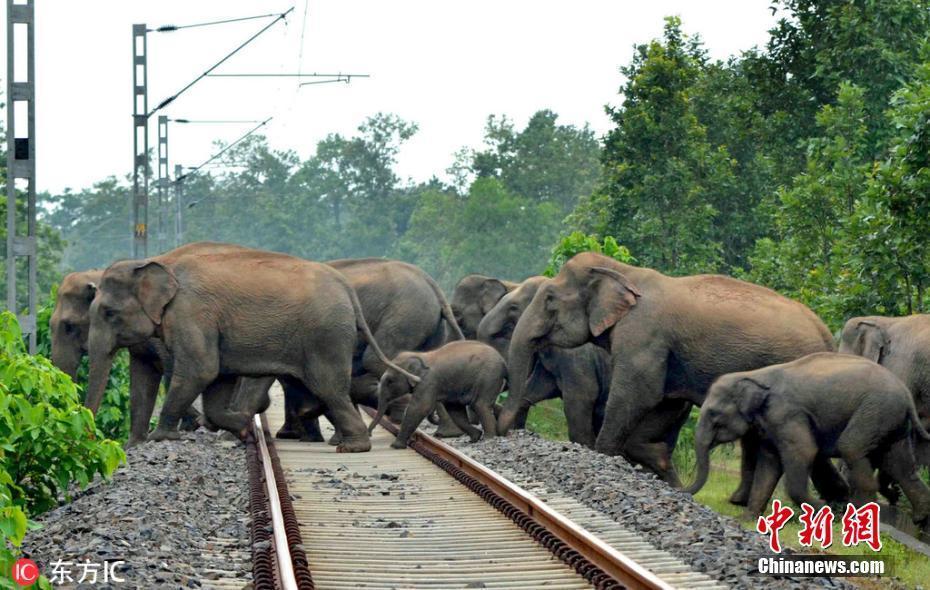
(406, 311)
(235, 313)
(581, 377)
(821, 405)
(473, 297)
(69, 327)
(458, 375)
(668, 337)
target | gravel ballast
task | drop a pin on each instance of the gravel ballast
(176, 514)
(640, 502)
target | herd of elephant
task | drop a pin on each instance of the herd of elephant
(629, 350)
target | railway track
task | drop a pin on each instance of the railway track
(428, 517)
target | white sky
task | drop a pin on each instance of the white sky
(445, 65)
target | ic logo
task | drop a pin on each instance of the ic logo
(25, 572)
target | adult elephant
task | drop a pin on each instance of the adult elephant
(581, 377)
(235, 313)
(902, 345)
(406, 311)
(149, 362)
(473, 297)
(668, 338)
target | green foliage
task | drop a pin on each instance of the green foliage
(112, 417)
(577, 242)
(48, 440)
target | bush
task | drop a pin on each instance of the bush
(578, 242)
(48, 439)
(113, 416)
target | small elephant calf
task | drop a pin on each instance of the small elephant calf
(819, 406)
(459, 374)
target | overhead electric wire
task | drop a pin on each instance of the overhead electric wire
(213, 121)
(302, 75)
(223, 151)
(172, 28)
(171, 98)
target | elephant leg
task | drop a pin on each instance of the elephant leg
(447, 428)
(144, 380)
(486, 416)
(887, 487)
(579, 414)
(417, 410)
(798, 450)
(217, 407)
(181, 394)
(749, 451)
(311, 430)
(862, 480)
(828, 481)
(329, 378)
(767, 473)
(291, 429)
(637, 385)
(460, 417)
(191, 419)
(899, 463)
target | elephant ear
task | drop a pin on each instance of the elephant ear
(613, 295)
(90, 291)
(753, 396)
(415, 366)
(871, 340)
(155, 287)
(492, 290)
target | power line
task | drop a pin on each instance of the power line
(223, 151)
(213, 121)
(311, 75)
(172, 28)
(171, 98)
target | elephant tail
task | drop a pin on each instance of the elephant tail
(446, 308)
(918, 427)
(362, 326)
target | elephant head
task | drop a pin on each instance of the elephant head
(394, 385)
(496, 328)
(474, 296)
(587, 298)
(128, 309)
(70, 323)
(733, 404)
(864, 337)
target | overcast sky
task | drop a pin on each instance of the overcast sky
(442, 64)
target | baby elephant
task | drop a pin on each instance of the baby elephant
(461, 373)
(819, 406)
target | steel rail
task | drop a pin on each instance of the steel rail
(611, 562)
(282, 552)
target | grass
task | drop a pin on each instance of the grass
(909, 567)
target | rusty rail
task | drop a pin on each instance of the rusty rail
(599, 563)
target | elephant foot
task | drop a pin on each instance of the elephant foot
(335, 440)
(432, 418)
(449, 431)
(158, 435)
(398, 444)
(287, 433)
(474, 437)
(134, 441)
(207, 424)
(362, 445)
(748, 516)
(314, 437)
(740, 497)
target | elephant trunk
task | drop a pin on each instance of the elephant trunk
(382, 409)
(703, 443)
(521, 358)
(491, 333)
(66, 357)
(101, 361)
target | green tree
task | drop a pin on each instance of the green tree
(662, 176)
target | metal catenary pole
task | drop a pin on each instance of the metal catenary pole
(163, 180)
(178, 229)
(21, 157)
(140, 141)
